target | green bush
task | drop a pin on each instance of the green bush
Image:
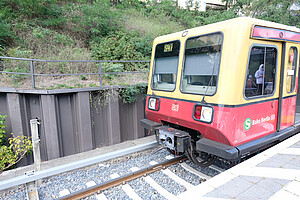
(123, 46)
(2, 51)
(2, 130)
(13, 151)
(6, 34)
(131, 94)
(98, 20)
(111, 67)
(30, 9)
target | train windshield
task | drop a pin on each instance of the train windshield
(202, 62)
(165, 66)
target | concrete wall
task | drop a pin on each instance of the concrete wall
(73, 120)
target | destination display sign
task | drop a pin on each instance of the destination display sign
(275, 34)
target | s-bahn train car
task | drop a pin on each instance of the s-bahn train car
(224, 90)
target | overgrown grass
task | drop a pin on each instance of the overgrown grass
(84, 30)
(160, 25)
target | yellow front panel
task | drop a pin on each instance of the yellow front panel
(234, 61)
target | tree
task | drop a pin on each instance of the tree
(272, 10)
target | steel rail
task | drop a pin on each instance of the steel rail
(73, 166)
(121, 180)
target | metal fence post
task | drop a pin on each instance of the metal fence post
(31, 187)
(36, 144)
(100, 73)
(32, 74)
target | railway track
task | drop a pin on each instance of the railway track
(136, 173)
(123, 179)
(150, 174)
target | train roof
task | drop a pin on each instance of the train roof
(231, 24)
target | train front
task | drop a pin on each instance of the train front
(183, 77)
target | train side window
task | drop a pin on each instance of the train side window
(291, 69)
(165, 66)
(261, 72)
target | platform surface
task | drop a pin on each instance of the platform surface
(272, 174)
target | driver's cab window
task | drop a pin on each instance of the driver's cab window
(165, 66)
(261, 71)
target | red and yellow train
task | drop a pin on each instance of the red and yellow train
(224, 90)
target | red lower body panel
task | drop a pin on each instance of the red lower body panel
(232, 125)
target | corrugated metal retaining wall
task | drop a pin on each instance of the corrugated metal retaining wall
(73, 120)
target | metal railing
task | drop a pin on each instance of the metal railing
(99, 62)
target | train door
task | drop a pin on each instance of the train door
(288, 96)
(264, 63)
(297, 114)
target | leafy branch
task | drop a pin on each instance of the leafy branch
(13, 151)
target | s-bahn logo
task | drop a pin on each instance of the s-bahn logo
(247, 124)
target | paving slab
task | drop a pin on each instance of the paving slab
(272, 174)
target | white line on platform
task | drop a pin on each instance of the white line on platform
(101, 196)
(64, 192)
(193, 171)
(290, 191)
(288, 174)
(173, 176)
(127, 189)
(293, 187)
(293, 151)
(248, 168)
(156, 186)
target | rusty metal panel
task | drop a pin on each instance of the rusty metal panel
(126, 121)
(83, 121)
(99, 119)
(140, 114)
(114, 131)
(72, 122)
(130, 116)
(50, 126)
(66, 127)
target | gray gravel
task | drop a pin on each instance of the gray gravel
(99, 173)
(144, 190)
(185, 175)
(169, 184)
(16, 193)
(116, 193)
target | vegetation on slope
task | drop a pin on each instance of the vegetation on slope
(106, 30)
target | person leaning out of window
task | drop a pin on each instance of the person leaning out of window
(259, 75)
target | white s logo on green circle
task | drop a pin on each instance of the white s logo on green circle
(247, 124)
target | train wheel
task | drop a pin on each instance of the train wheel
(194, 156)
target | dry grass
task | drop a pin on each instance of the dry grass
(58, 82)
(159, 26)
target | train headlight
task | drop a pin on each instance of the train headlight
(203, 113)
(206, 114)
(153, 103)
